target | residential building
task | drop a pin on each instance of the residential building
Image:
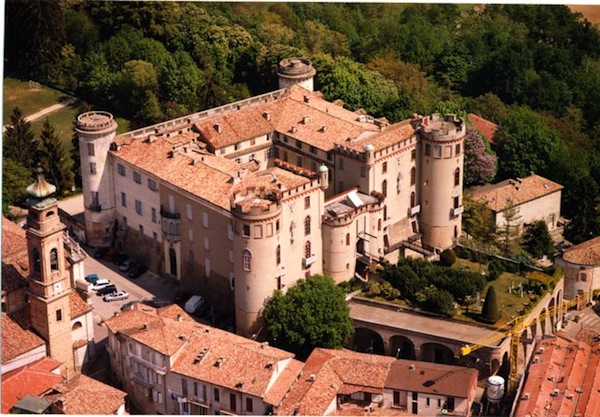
(581, 264)
(170, 364)
(562, 380)
(534, 198)
(244, 199)
(342, 382)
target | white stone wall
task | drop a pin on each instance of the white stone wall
(545, 208)
(24, 359)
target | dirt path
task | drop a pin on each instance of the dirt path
(47, 110)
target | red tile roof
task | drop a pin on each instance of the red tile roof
(84, 395)
(586, 253)
(35, 379)
(518, 191)
(15, 264)
(13, 239)
(78, 306)
(16, 340)
(487, 128)
(562, 380)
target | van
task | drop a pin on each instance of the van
(101, 283)
(193, 303)
(109, 289)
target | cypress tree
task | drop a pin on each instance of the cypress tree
(490, 312)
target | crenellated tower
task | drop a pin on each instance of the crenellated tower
(96, 132)
(296, 71)
(49, 282)
(441, 181)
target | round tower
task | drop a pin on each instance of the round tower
(296, 71)
(96, 132)
(258, 266)
(442, 155)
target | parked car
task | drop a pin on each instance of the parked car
(110, 255)
(101, 283)
(92, 278)
(127, 265)
(116, 296)
(100, 252)
(137, 270)
(109, 289)
(120, 258)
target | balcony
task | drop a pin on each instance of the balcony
(309, 261)
(412, 211)
(96, 207)
(139, 379)
(168, 215)
(457, 211)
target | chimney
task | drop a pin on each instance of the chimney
(294, 129)
(305, 120)
(179, 318)
(218, 127)
(324, 129)
(267, 115)
(306, 98)
(312, 377)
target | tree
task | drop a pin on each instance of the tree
(19, 141)
(448, 257)
(480, 166)
(15, 179)
(55, 159)
(585, 223)
(490, 312)
(537, 239)
(509, 231)
(490, 107)
(438, 301)
(313, 313)
(478, 221)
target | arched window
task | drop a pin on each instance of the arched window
(36, 260)
(307, 226)
(413, 176)
(247, 260)
(347, 238)
(54, 259)
(49, 214)
(413, 199)
(307, 251)
(457, 176)
(379, 224)
(384, 188)
(278, 254)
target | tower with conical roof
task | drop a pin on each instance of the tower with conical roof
(49, 283)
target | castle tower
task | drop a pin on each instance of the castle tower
(442, 155)
(258, 264)
(296, 71)
(49, 283)
(96, 132)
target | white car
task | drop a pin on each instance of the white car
(101, 283)
(127, 265)
(116, 296)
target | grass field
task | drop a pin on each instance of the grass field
(16, 93)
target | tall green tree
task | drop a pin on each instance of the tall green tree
(19, 141)
(508, 232)
(478, 221)
(490, 312)
(55, 159)
(585, 223)
(537, 239)
(15, 179)
(313, 313)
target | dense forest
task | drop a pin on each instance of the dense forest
(533, 69)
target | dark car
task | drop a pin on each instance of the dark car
(110, 255)
(100, 252)
(137, 270)
(109, 289)
(92, 278)
(120, 258)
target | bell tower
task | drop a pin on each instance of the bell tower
(49, 283)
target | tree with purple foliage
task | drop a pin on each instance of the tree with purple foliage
(479, 165)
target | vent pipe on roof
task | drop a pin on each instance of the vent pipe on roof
(306, 98)
(218, 127)
(312, 377)
(293, 129)
(305, 120)
(267, 115)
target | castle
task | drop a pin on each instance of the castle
(244, 199)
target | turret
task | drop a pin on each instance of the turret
(296, 71)
(442, 155)
(96, 132)
(324, 177)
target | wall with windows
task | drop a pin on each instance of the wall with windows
(426, 404)
(256, 149)
(546, 208)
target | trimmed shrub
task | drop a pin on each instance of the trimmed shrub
(448, 257)
(490, 312)
(495, 269)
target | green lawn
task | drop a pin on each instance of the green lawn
(62, 120)
(16, 93)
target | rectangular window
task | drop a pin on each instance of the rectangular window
(313, 166)
(246, 230)
(437, 151)
(456, 202)
(236, 147)
(313, 149)
(153, 214)
(427, 401)
(252, 142)
(277, 226)
(152, 185)
(249, 405)
(91, 150)
(189, 211)
(413, 154)
(184, 386)
(93, 168)
(154, 238)
(384, 168)
(229, 232)
(457, 149)
(340, 186)
(258, 231)
(207, 267)
(232, 402)
(186, 408)
(448, 152)
(195, 389)
(141, 231)
(267, 153)
(415, 396)
(329, 156)
(121, 170)
(95, 199)
(216, 395)
(204, 219)
(341, 163)
(206, 243)
(363, 171)
(138, 207)
(269, 229)
(137, 177)
(190, 235)
(276, 152)
(298, 144)
(59, 315)
(428, 149)
(123, 199)
(439, 402)
(307, 202)
(299, 161)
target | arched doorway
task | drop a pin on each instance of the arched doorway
(436, 353)
(367, 341)
(172, 261)
(402, 347)
(552, 316)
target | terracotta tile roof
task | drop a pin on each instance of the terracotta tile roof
(14, 274)
(564, 378)
(518, 191)
(84, 395)
(16, 340)
(425, 377)
(487, 128)
(33, 379)
(13, 239)
(77, 305)
(282, 385)
(396, 133)
(336, 372)
(586, 253)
